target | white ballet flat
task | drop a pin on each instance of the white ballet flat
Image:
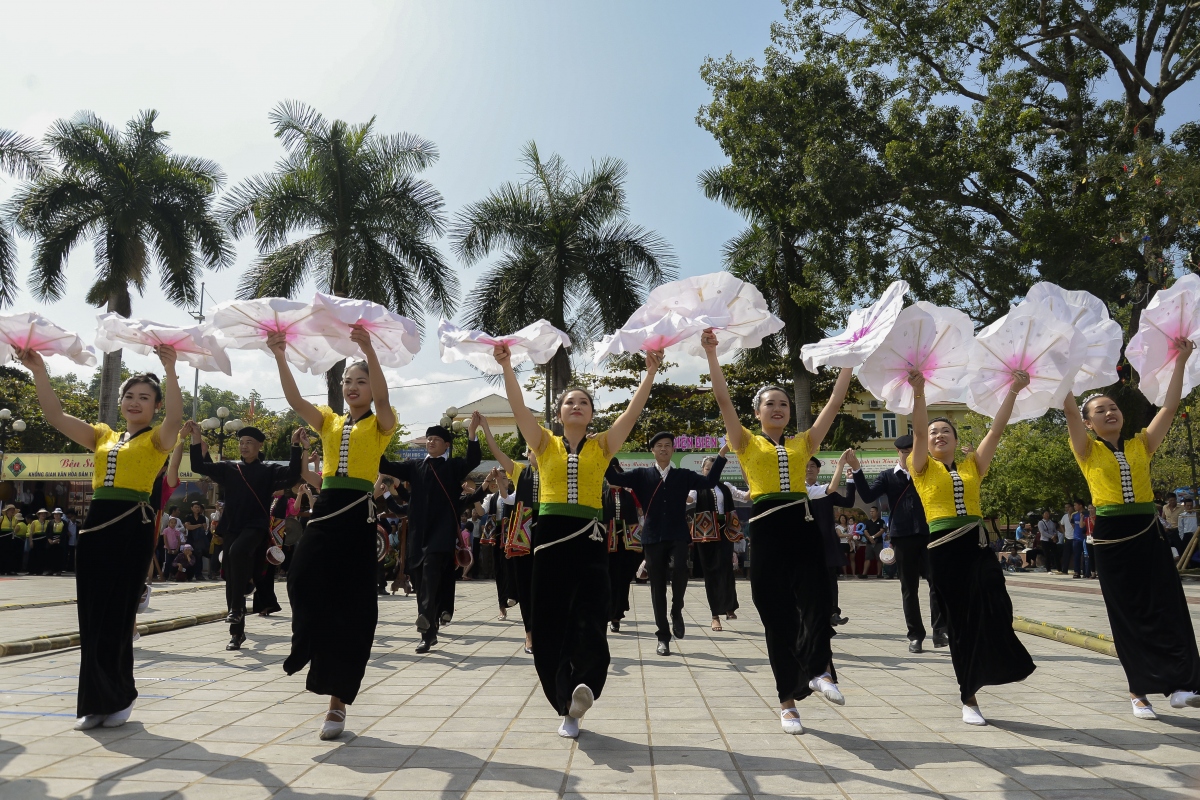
(333, 728)
(1144, 711)
(790, 719)
(86, 723)
(1182, 699)
(581, 700)
(144, 603)
(828, 689)
(972, 716)
(136, 634)
(119, 718)
(569, 729)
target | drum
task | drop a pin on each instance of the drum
(383, 545)
(275, 555)
(887, 555)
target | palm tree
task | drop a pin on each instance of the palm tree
(24, 158)
(365, 222)
(568, 255)
(138, 203)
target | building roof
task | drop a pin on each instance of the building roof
(490, 404)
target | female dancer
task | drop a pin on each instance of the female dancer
(962, 567)
(621, 512)
(524, 478)
(716, 557)
(1147, 609)
(570, 558)
(788, 582)
(116, 542)
(331, 582)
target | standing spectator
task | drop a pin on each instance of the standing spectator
(1068, 539)
(1089, 542)
(1170, 514)
(196, 524)
(1048, 540)
(1078, 532)
(72, 538)
(172, 535)
(1188, 523)
(843, 529)
(875, 528)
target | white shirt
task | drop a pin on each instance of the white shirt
(901, 470)
(692, 499)
(662, 471)
(1068, 528)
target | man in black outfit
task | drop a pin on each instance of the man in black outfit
(249, 485)
(433, 510)
(909, 539)
(662, 492)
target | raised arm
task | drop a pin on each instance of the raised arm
(168, 432)
(824, 420)
(176, 459)
(200, 465)
(1156, 431)
(75, 429)
(1081, 443)
(839, 471)
(713, 478)
(920, 422)
(526, 422)
(384, 416)
(623, 426)
(987, 447)
(505, 462)
(729, 415)
(287, 381)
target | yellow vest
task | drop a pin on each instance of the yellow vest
(772, 470)
(350, 453)
(1112, 486)
(935, 487)
(125, 470)
(579, 494)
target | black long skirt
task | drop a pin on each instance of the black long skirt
(717, 560)
(520, 569)
(790, 589)
(331, 587)
(570, 608)
(984, 648)
(622, 566)
(1147, 608)
(110, 576)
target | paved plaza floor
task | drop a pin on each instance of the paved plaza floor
(469, 719)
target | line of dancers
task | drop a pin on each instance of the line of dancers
(570, 545)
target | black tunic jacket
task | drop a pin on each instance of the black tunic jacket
(433, 510)
(247, 501)
(908, 515)
(664, 503)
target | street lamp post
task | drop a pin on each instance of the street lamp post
(8, 426)
(222, 429)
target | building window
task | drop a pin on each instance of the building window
(910, 429)
(889, 426)
(874, 420)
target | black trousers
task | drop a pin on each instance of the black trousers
(666, 561)
(1050, 550)
(37, 555)
(433, 580)
(331, 588)
(505, 588)
(11, 549)
(912, 564)
(1147, 608)
(521, 571)
(110, 576)
(984, 648)
(241, 547)
(570, 608)
(622, 566)
(265, 599)
(717, 560)
(834, 572)
(790, 586)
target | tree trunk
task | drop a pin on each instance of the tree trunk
(110, 371)
(333, 382)
(561, 374)
(796, 332)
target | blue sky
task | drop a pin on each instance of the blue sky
(585, 80)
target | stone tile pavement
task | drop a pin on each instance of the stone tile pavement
(469, 720)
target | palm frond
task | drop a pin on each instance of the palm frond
(284, 270)
(21, 156)
(296, 123)
(403, 153)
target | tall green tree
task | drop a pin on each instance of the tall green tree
(138, 203)
(568, 254)
(24, 158)
(344, 208)
(799, 139)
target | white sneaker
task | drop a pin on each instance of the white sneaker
(828, 689)
(971, 716)
(333, 728)
(581, 700)
(118, 719)
(1183, 698)
(790, 719)
(144, 603)
(1145, 711)
(88, 722)
(569, 728)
